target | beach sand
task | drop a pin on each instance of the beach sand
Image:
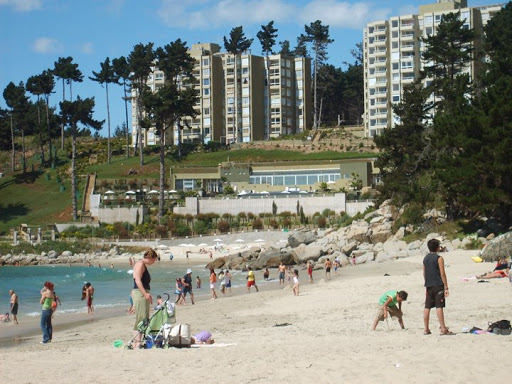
(328, 338)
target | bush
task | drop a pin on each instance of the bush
(200, 227)
(273, 223)
(161, 230)
(223, 226)
(257, 224)
(322, 222)
(182, 230)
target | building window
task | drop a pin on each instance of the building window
(206, 72)
(245, 100)
(231, 100)
(298, 64)
(206, 111)
(206, 91)
(206, 121)
(206, 81)
(245, 62)
(206, 62)
(245, 110)
(394, 23)
(396, 98)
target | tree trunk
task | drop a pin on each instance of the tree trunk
(269, 121)
(126, 113)
(162, 177)
(40, 128)
(23, 157)
(73, 175)
(62, 123)
(315, 122)
(178, 126)
(13, 160)
(49, 131)
(139, 130)
(108, 125)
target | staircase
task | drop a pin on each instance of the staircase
(85, 214)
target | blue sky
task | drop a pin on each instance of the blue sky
(35, 33)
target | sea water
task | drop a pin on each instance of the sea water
(112, 286)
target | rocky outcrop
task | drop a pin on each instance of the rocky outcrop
(301, 237)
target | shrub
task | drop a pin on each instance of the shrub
(322, 222)
(287, 223)
(161, 230)
(182, 230)
(273, 223)
(257, 224)
(200, 227)
(223, 226)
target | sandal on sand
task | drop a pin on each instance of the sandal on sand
(427, 333)
(447, 333)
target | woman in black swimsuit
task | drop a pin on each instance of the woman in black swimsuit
(141, 295)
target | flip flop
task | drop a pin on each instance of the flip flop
(427, 333)
(447, 333)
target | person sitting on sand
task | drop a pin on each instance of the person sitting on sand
(5, 318)
(387, 303)
(502, 264)
(495, 274)
(203, 337)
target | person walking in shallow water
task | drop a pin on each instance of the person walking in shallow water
(88, 295)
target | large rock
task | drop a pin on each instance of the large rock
(272, 258)
(67, 254)
(219, 262)
(301, 237)
(500, 246)
(349, 247)
(359, 231)
(381, 232)
(303, 253)
(365, 258)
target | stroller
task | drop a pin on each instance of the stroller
(151, 331)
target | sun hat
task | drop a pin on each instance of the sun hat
(189, 271)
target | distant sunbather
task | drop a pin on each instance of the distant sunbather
(495, 275)
(203, 337)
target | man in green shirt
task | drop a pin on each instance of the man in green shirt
(387, 303)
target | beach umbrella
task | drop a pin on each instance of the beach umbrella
(218, 240)
(202, 245)
(173, 191)
(264, 193)
(285, 192)
(303, 192)
(130, 193)
(162, 246)
(109, 192)
(183, 245)
(153, 191)
(239, 240)
(259, 241)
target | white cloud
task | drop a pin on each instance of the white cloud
(23, 5)
(207, 14)
(87, 48)
(47, 45)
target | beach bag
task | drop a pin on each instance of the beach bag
(180, 336)
(501, 327)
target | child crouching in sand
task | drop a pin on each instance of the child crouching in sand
(387, 303)
(296, 282)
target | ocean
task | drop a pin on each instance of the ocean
(112, 285)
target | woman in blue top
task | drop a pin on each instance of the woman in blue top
(47, 297)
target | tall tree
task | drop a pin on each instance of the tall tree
(318, 35)
(47, 83)
(140, 62)
(236, 45)
(301, 49)
(67, 71)
(122, 70)
(35, 88)
(17, 101)
(75, 113)
(173, 101)
(267, 37)
(285, 48)
(106, 76)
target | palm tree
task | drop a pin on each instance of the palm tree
(106, 76)
(16, 99)
(236, 45)
(140, 62)
(122, 71)
(35, 88)
(267, 37)
(74, 112)
(67, 71)
(318, 35)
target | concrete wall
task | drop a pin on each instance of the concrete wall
(256, 205)
(113, 214)
(355, 207)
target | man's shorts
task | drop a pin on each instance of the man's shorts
(392, 311)
(281, 275)
(435, 297)
(14, 309)
(187, 290)
(250, 283)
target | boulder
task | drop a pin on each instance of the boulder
(364, 258)
(399, 235)
(500, 246)
(349, 247)
(301, 237)
(381, 232)
(67, 254)
(52, 255)
(219, 262)
(303, 253)
(359, 232)
(272, 259)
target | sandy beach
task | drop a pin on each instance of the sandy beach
(328, 338)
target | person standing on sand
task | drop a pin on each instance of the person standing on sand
(141, 295)
(282, 271)
(310, 271)
(213, 280)
(436, 285)
(296, 282)
(187, 285)
(251, 280)
(47, 297)
(387, 303)
(327, 267)
(14, 306)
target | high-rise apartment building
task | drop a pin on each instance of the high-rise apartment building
(233, 98)
(393, 55)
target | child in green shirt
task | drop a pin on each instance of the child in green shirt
(387, 303)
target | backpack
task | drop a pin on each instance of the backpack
(180, 336)
(501, 327)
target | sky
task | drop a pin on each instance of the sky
(35, 33)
